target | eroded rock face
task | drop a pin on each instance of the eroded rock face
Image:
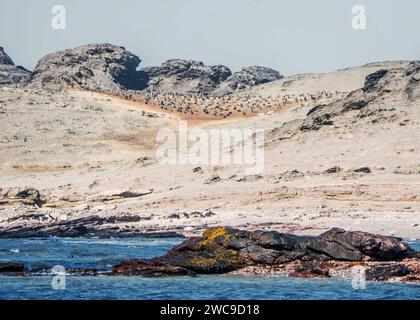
(11, 74)
(246, 78)
(192, 77)
(382, 89)
(413, 86)
(91, 226)
(27, 196)
(184, 77)
(97, 67)
(222, 250)
(372, 79)
(112, 69)
(4, 58)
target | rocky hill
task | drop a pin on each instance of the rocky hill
(95, 67)
(189, 77)
(387, 95)
(108, 68)
(185, 77)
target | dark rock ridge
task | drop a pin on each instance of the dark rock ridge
(185, 77)
(11, 74)
(112, 69)
(189, 77)
(91, 226)
(96, 67)
(248, 77)
(222, 250)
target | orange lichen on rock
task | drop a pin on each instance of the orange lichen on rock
(211, 234)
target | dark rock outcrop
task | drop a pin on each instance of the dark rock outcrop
(372, 79)
(192, 77)
(11, 74)
(246, 78)
(332, 254)
(96, 67)
(149, 269)
(112, 69)
(27, 196)
(184, 77)
(222, 250)
(12, 269)
(413, 86)
(4, 58)
(91, 226)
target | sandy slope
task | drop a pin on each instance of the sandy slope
(82, 150)
(343, 80)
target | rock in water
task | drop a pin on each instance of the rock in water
(96, 67)
(246, 78)
(222, 250)
(11, 74)
(11, 268)
(185, 77)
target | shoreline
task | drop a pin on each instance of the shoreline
(333, 255)
(179, 225)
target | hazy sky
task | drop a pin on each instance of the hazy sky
(292, 36)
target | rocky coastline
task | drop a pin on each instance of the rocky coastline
(88, 207)
(224, 250)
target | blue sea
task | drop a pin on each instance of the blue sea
(103, 253)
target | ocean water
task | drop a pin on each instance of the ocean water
(103, 253)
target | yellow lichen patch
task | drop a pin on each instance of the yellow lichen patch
(211, 234)
(220, 258)
(201, 262)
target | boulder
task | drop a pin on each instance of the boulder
(338, 244)
(246, 78)
(184, 77)
(372, 79)
(27, 196)
(96, 67)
